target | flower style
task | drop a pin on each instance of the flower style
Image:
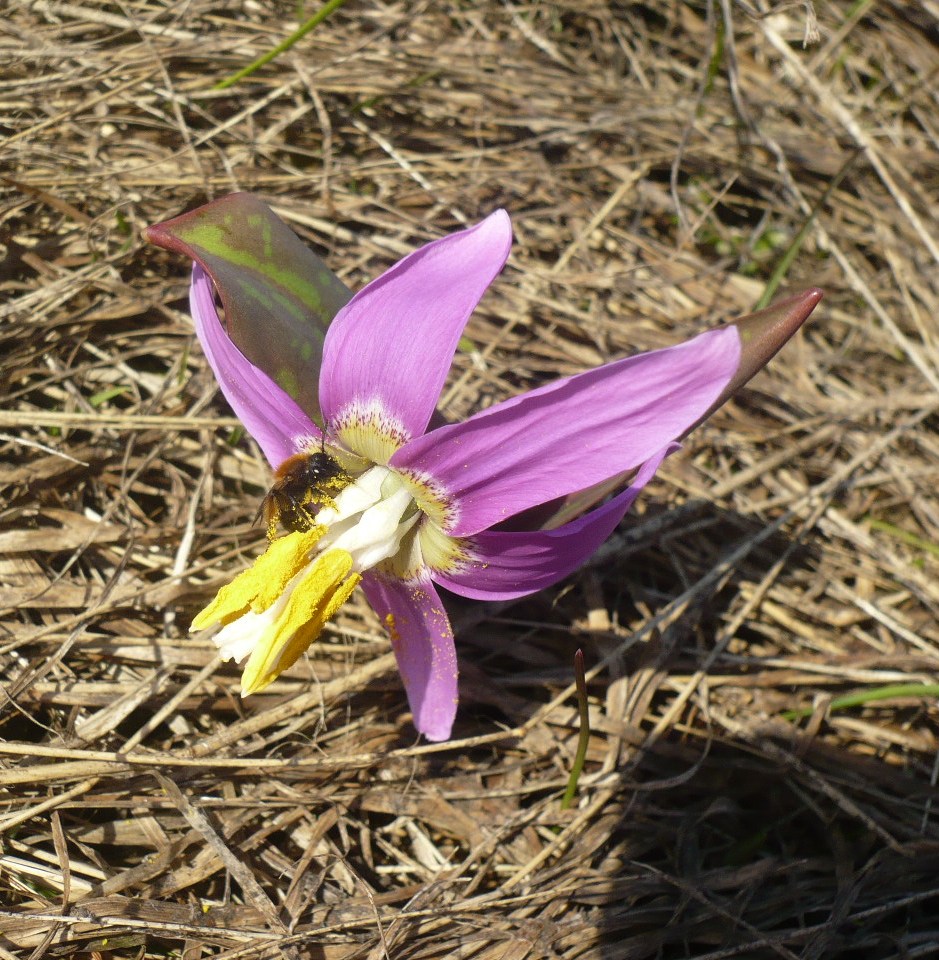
(418, 508)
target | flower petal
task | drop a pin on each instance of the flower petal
(513, 564)
(422, 640)
(389, 349)
(269, 414)
(570, 434)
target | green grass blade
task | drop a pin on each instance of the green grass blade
(785, 261)
(905, 536)
(870, 696)
(329, 7)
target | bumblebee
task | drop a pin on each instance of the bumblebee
(302, 484)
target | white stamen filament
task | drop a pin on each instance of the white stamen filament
(369, 520)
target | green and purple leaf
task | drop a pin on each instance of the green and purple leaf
(277, 295)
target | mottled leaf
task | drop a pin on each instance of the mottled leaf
(278, 296)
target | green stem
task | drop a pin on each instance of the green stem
(329, 7)
(584, 739)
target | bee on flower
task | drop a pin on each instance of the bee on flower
(381, 502)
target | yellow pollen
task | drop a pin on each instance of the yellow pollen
(258, 587)
(313, 601)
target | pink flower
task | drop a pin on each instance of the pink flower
(417, 508)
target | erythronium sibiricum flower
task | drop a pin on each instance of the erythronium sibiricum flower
(414, 508)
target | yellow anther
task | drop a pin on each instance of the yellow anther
(312, 602)
(258, 587)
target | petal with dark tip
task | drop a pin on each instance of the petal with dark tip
(570, 434)
(762, 335)
(272, 417)
(422, 640)
(390, 348)
(513, 564)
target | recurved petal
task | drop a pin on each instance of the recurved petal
(570, 434)
(512, 564)
(389, 349)
(269, 414)
(422, 640)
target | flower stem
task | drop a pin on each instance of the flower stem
(584, 739)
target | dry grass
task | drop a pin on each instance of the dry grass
(788, 557)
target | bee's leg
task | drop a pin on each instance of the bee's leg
(305, 518)
(269, 512)
(275, 509)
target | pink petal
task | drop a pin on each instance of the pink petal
(269, 414)
(510, 564)
(570, 434)
(390, 347)
(422, 640)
